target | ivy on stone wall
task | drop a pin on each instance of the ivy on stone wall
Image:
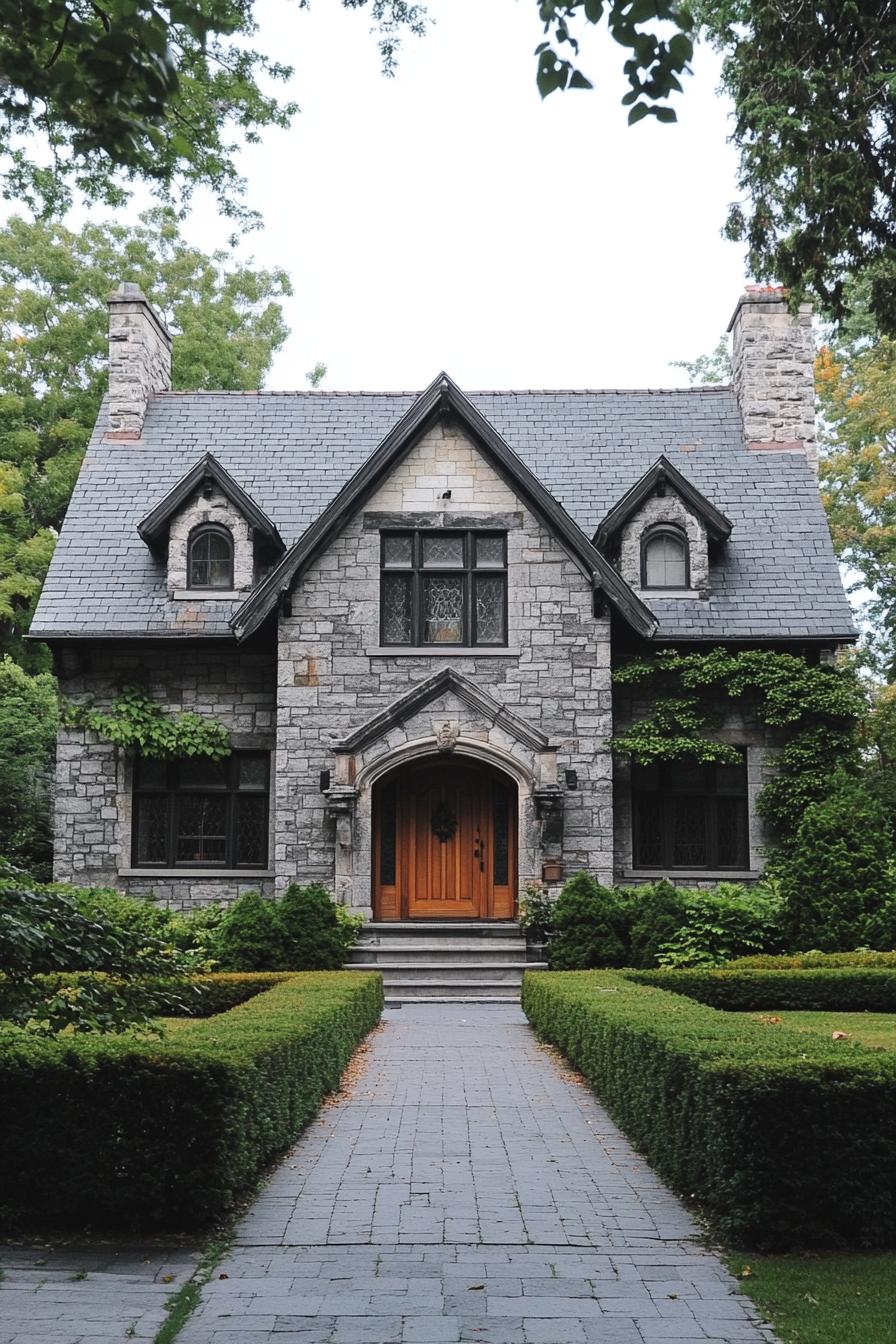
(817, 710)
(138, 724)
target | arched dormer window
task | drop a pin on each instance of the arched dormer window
(664, 558)
(210, 557)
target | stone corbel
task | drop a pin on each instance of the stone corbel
(341, 801)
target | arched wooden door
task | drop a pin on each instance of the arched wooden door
(444, 842)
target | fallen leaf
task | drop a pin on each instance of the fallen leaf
(839, 1036)
(745, 1272)
(476, 1288)
(167, 1278)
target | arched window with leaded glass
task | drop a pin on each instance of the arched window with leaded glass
(210, 557)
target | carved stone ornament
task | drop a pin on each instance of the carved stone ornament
(444, 822)
(446, 736)
(341, 806)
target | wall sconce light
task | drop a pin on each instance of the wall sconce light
(572, 779)
(324, 780)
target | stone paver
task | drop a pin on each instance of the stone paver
(87, 1295)
(468, 1190)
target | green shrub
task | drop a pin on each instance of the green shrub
(848, 990)
(730, 921)
(43, 930)
(655, 914)
(589, 927)
(785, 1139)
(880, 925)
(310, 932)
(349, 927)
(129, 1133)
(819, 960)
(835, 877)
(536, 911)
(249, 937)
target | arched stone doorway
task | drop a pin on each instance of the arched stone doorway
(444, 840)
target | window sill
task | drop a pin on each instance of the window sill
(247, 874)
(693, 874)
(648, 593)
(208, 595)
(441, 651)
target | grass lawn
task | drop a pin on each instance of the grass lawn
(868, 1028)
(824, 1299)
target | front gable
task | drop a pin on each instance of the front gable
(442, 410)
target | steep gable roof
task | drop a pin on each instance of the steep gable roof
(663, 473)
(154, 527)
(443, 398)
(777, 579)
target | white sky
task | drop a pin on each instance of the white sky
(447, 218)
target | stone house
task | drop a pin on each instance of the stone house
(406, 606)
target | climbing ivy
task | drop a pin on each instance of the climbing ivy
(817, 709)
(138, 724)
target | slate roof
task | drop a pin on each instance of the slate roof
(776, 578)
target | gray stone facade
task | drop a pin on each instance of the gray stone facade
(333, 677)
(736, 725)
(211, 506)
(94, 779)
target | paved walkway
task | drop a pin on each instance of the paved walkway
(88, 1295)
(468, 1190)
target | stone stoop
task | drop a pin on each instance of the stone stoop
(452, 961)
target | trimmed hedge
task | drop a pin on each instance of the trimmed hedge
(200, 995)
(818, 960)
(140, 1133)
(784, 1139)
(847, 990)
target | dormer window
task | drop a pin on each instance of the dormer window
(664, 558)
(210, 558)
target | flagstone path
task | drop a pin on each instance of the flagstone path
(468, 1189)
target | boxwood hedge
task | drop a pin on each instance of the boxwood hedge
(844, 990)
(783, 1138)
(199, 996)
(143, 1133)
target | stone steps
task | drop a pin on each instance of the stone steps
(451, 962)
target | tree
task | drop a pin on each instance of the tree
(813, 93)
(54, 282)
(28, 716)
(707, 369)
(856, 386)
(128, 89)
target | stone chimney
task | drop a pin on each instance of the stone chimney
(139, 360)
(772, 359)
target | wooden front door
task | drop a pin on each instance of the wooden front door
(445, 843)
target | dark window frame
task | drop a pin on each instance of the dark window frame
(197, 535)
(664, 798)
(416, 573)
(174, 793)
(679, 535)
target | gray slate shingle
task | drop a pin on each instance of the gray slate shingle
(292, 452)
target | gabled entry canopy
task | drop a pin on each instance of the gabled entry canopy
(655, 481)
(443, 399)
(208, 470)
(424, 693)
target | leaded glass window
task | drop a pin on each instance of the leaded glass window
(202, 813)
(210, 558)
(443, 588)
(688, 815)
(664, 559)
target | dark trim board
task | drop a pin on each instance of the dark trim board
(663, 473)
(154, 527)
